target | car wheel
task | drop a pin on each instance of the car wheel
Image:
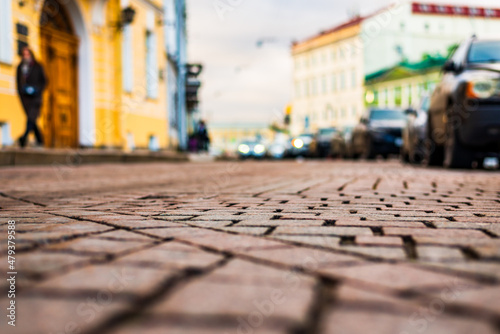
(405, 157)
(433, 152)
(455, 155)
(369, 152)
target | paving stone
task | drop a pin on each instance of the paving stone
(398, 276)
(40, 315)
(170, 255)
(349, 321)
(95, 245)
(107, 280)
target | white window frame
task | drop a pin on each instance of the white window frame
(152, 71)
(127, 59)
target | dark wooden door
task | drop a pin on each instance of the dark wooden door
(61, 101)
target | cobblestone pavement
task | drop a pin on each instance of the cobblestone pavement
(252, 247)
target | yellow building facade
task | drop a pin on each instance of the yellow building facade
(105, 61)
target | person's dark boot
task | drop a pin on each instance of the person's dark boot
(22, 142)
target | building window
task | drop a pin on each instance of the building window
(314, 87)
(6, 39)
(152, 72)
(306, 88)
(334, 54)
(354, 112)
(386, 97)
(353, 79)
(324, 84)
(324, 58)
(127, 60)
(410, 97)
(342, 81)
(375, 97)
(297, 90)
(397, 96)
(343, 113)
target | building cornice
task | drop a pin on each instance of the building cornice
(329, 37)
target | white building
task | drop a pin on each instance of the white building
(330, 67)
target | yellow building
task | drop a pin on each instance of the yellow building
(105, 61)
(328, 79)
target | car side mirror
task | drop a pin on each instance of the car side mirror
(411, 111)
(449, 66)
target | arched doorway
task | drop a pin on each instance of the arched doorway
(59, 48)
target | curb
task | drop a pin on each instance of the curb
(27, 157)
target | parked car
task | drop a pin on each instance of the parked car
(341, 143)
(464, 113)
(378, 133)
(300, 145)
(415, 132)
(251, 149)
(322, 142)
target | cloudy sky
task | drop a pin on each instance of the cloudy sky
(246, 83)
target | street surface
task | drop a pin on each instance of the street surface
(252, 247)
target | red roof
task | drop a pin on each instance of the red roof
(352, 22)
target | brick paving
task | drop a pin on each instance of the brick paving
(253, 247)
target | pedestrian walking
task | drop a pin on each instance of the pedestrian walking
(203, 138)
(31, 82)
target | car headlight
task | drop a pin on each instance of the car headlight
(298, 143)
(243, 148)
(483, 88)
(259, 149)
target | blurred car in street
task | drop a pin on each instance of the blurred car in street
(251, 149)
(300, 146)
(341, 143)
(378, 133)
(321, 143)
(415, 132)
(464, 113)
(279, 146)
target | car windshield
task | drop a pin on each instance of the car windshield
(381, 114)
(484, 52)
(326, 132)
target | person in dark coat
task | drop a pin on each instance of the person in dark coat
(31, 82)
(203, 138)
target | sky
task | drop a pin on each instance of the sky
(243, 82)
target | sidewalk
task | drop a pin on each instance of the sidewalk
(44, 156)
